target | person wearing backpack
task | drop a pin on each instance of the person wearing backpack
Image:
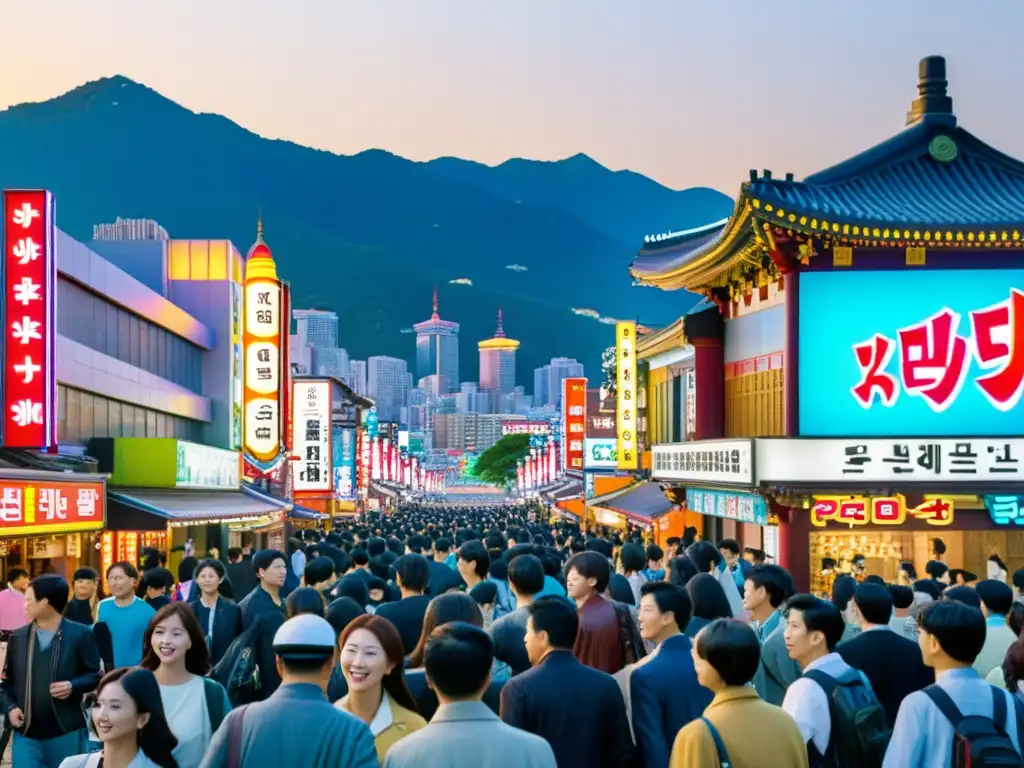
(961, 720)
(838, 715)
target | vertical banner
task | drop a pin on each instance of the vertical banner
(29, 319)
(262, 351)
(574, 422)
(237, 375)
(286, 366)
(343, 456)
(311, 438)
(625, 363)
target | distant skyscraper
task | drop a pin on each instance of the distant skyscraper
(316, 327)
(437, 350)
(389, 386)
(331, 361)
(301, 356)
(129, 229)
(540, 385)
(498, 362)
(357, 373)
(560, 368)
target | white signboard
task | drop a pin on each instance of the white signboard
(311, 435)
(262, 367)
(707, 462)
(892, 460)
(600, 453)
(203, 466)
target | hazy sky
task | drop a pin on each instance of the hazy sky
(690, 92)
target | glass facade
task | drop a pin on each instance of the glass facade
(94, 322)
(83, 415)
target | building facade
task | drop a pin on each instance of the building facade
(473, 432)
(130, 229)
(316, 327)
(498, 362)
(389, 383)
(437, 350)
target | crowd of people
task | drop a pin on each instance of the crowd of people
(490, 637)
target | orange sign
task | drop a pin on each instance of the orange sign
(32, 508)
(574, 421)
(878, 510)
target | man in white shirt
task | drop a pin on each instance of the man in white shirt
(814, 628)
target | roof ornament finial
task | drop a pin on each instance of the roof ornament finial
(933, 102)
(500, 333)
(435, 302)
(259, 225)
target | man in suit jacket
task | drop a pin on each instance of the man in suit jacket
(892, 664)
(241, 574)
(664, 693)
(579, 710)
(464, 731)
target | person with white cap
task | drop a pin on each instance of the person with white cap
(297, 725)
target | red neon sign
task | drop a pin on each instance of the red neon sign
(574, 421)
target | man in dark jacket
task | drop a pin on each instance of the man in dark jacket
(412, 574)
(891, 663)
(271, 570)
(241, 574)
(51, 663)
(587, 730)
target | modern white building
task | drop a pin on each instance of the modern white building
(359, 383)
(389, 383)
(130, 229)
(558, 369)
(316, 327)
(437, 350)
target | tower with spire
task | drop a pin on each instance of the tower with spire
(498, 362)
(437, 350)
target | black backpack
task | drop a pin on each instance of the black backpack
(979, 742)
(860, 730)
(238, 671)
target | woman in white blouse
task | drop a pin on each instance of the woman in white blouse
(175, 650)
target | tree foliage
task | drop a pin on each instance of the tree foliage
(498, 463)
(609, 371)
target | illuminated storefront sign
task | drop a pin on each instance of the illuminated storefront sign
(344, 462)
(35, 508)
(203, 466)
(600, 453)
(938, 352)
(874, 510)
(165, 462)
(263, 356)
(30, 282)
(626, 400)
(574, 422)
(742, 507)
(1005, 509)
(525, 427)
(716, 462)
(311, 435)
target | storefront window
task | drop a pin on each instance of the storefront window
(83, 416)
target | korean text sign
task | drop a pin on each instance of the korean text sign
(888, 510)
(927, 353)
(262, 436)
(311, 436)
(29, 319)
(574, 421)
(626, 399)
(32, 508)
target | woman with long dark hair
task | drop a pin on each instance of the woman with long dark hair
(127, 716)
(305, 600)
(175, 650)
(709, 602)
(372, 662)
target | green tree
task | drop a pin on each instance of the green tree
(609, 371)
(497, 465)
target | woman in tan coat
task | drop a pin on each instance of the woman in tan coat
(752, 733)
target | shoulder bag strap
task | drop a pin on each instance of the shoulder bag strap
(723, 756)
(235, 739)
(945, 704)
(999, 709)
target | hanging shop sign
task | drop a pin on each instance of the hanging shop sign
(742, 507)
(944, 359)
(262, 358)
(371, 422)
(574, 422)
(164, 462)
(311, 435)
(626, 399)
(30, 508)
(600, 453)
(203, 466)
(879, 510)
(1005, 509)
(344, 462)
(29, 321)
(903, 461)
(714, 462)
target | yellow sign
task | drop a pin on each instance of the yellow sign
(625, 359)
(879, 510)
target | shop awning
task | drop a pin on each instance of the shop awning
(382, 490)
(566, 490)
(304, 513)
(194, 507)
(641, 502)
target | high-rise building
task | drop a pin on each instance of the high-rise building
(437, 350)
(540, 385)
(300, 355)
(498, 362)
(331, 361)
(316, 327)
(467, 431)
(558, 369)
(357, 372)
(130, 229)
(389, 386)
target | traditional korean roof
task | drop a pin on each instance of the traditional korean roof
(932, 185)
(656, 342)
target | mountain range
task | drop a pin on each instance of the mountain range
(368, 235)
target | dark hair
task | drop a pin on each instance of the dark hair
(1018, 579)
(962, 573)
(704, 554)
(458, 659)
(319, 570)
(16, 573)
(85, 573)
(874, 603)
(129, 570)
(929, 587)
(1013, 662)
(874, 578)
(556, 616)
(902, 597)
(475, 552)
(843, 590)
(654, 552)
(908, 568)
(341, 612)
(376, 546)
(935, 568)
(670, 597)
(485, 593)
(959, 628)
(997, 596)
(266, 558)
(775, 580)
(210, 562)
(938, 546)
(819, 616)
(442, 545)
(444, 609)
(414, 572)
(730, 544)
(156, 740)
(157, 578)
(187, 568)
(526, 574)
(360, 558)
(681, 569)
(51, 588)
(305, 600)
(708, 597)
(353, 585)
(234, 552)
(633, 558)
(591, 565)
(731, 647)
(391, 642)
(197, 657)
(963, 594)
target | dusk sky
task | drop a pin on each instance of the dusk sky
(689, 92)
